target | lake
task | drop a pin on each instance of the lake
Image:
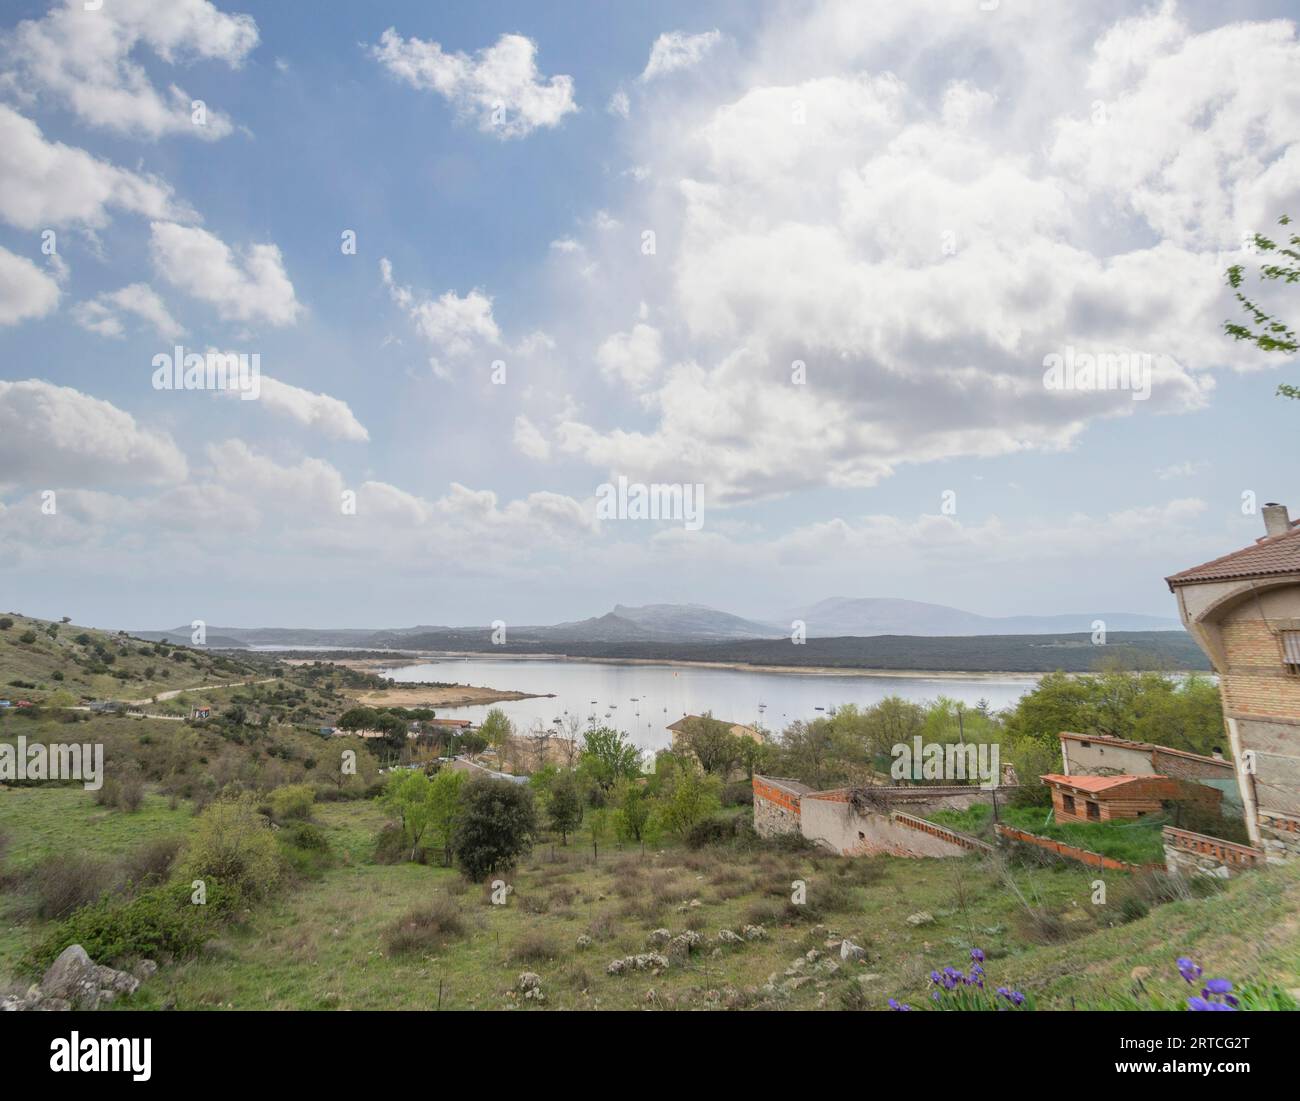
(642, 700)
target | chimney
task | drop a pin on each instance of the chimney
(1276, 519)
(1217, 754)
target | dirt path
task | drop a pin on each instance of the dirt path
(171, 694)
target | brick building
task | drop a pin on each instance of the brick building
(1106, 755)
(1244, 611)
(1082, 798)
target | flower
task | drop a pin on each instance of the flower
(977, 955)
(1188, 969)
(900, 1007)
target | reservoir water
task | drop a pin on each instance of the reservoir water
(642, 700)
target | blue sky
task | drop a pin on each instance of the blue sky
(801, 166)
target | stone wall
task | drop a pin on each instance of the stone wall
(776, 806)
(829, 819)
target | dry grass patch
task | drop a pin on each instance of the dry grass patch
(426, 928)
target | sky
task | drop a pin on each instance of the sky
(806, 262)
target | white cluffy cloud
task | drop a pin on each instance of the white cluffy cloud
(870, 266)
(26, 292)
(102, 314)
(451, 324)
(55, 436)
(87, 61)
(500, 86)
(330, 416)
(678, 50)
(49, 184)
(251, 287)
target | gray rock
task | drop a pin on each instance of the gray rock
(921, 917)
(850, 951)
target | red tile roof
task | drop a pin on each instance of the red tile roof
(1273, 554)
(1096, 783)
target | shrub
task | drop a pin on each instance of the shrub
(152, 862)
(27, 637)
(497, 824)
(738, 794)
(233, 848)
(721, 831)
(292, 801)
(5, 623)
(426, 928)
(1132, 908)
(534, 946)
(160, 920)
(390, 845)
(67, 883)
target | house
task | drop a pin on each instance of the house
(739, 730)
(201, 711)
(1243, 610)
(1107, 755)
(1083, 798)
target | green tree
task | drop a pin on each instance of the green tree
(445, 807)
(497, 825)
(497, 730)
(409, 795)
(712, 742)
(1267, 331)
(690, 798)
(633, 810)
(608, 755)
(564, 808)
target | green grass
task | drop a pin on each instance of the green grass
(1137, 841)
(320, 941)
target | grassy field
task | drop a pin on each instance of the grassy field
(1137, 841)
(324, 941)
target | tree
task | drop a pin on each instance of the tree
(691, 797)
(633, 810)
(713, 744)
(445, 807)
(609, 755)
(497, 730)
(565, 806)
(409, 795)
(1268, 332)
(497, 825)
(359, 718)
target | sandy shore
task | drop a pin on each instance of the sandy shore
(455, 695)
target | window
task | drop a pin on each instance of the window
(1094, 811)
(1291, 652)
(1067, 803)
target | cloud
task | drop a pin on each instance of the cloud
(529, 439)
(500, 86)
(327, 415)
(676, 50)
(250, 287)
(56, 437)
(619, 104)
(102, 314)
(26, 292)
(49, 184)
(633, 358)
(453, 325)
(1187, 129)
(86, 61)
(869, 266)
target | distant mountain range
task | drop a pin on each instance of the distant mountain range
(836, 617)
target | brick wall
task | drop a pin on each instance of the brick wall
(1197, 854)
(1072, 852)
(1255, 682)
(776, 808)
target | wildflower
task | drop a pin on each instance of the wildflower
(1188, 969)
(900, 1007)
(977, 955)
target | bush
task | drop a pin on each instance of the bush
(67, 883)
(534, 947)
(27, 637)
(390, 845)
(738, 794)
(720, 831)
(152, 862)
(426, 928)
(233, 848)
(159, 920)
(125, 792)
(5, 623)
(497, 824)
(292, 801)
